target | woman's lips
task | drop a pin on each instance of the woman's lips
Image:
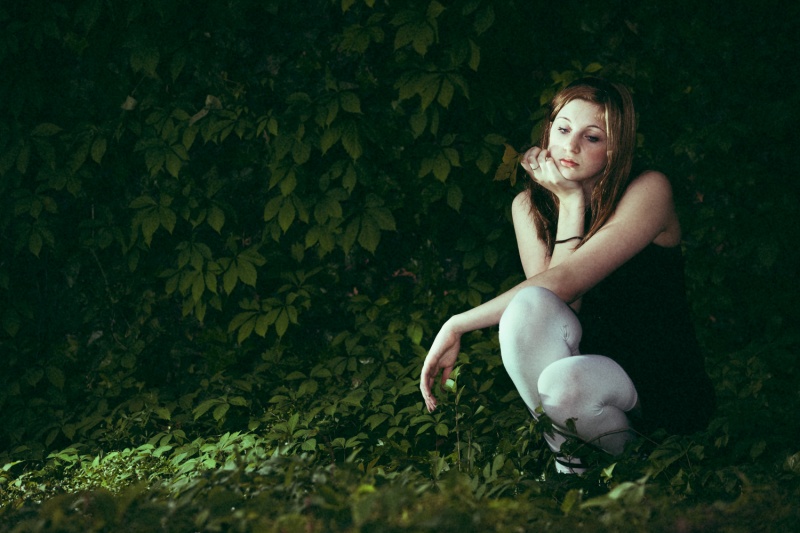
(569, 163)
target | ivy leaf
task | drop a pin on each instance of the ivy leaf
(383, 217)
(351, 234)
(370, 234)
(351, 140)
(220, 411)
(173, 164)
(286, 216)
(454, 197)
(445, 93)
(55, 376)
(474, 56)
(150, 224)
(46, 129)
(329, 137)
(246, 330)
(167, 218)
(229, 278)
(145, 59)
(35, 243)
(441, 168)
(350, 102)
(508, 168)
(98, 149)
(216, 218)
(272, 208)
(247, 273)
(282, 323)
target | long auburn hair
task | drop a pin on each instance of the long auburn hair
(617, 105)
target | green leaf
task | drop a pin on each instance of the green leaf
(376, 420)
(418, 122)
(216, 218)
(150, 224)
(246, 330)
(173, 164)
(167, 218)
(301, 152)
(351, 140)
(220, 411)
(46, 129)
(142, 202)
(55, 376)
(35, 243)
(98, 149)
(329, 137)
(484, 19)
(351, 234)
(247, 273)
(23, 158)
(239, 320)
(415, 333)
(286, 216)
(441, 168)
(445, 93)
(474, 56)
(282, 323)
(454, 197)
(272, 208)
(350, 102)
(145, 59)
(229, 278)
(370, 234)
(204, 407)
(383, 217)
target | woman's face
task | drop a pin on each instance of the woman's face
(578, 141)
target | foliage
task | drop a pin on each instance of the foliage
(229, 229)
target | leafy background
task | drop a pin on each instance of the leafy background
(230, 229)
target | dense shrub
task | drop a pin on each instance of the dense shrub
(230, 231)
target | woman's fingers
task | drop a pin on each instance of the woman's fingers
(543, 158)
(426, 384)
(530, 159)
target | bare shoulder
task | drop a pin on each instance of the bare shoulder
(651, 183)
(521, 203)
(649, 196)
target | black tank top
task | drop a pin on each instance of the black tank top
(639, 316)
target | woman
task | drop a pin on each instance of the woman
(601, 254)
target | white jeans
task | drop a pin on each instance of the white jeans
(539, 341)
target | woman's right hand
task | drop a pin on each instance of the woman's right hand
(441, 358)
(542, 169)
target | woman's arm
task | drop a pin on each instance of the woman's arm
(644, 215)
(532, 250)
(572, 200)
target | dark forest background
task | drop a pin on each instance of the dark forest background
(229, 230)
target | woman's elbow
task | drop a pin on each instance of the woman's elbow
(565, 284)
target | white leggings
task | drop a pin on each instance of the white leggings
(539, 339)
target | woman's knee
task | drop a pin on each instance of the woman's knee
(527, 305)
(585, 384)
(562, 389)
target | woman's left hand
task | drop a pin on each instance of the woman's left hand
(441, 358)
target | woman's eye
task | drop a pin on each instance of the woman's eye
(563, 130)
(592, 139)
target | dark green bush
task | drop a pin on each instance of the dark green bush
(230, 230)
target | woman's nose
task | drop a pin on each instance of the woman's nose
(572, 143)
